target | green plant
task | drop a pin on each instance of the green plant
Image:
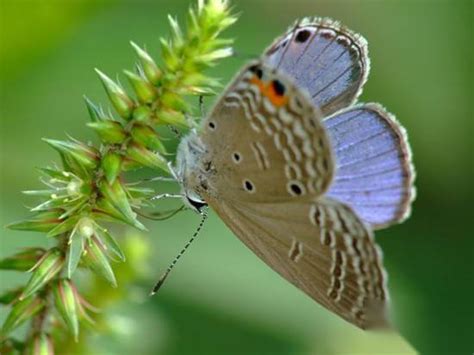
(90, 188)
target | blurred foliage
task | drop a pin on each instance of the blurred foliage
(221, 298)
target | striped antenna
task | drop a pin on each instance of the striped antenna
(165, 275)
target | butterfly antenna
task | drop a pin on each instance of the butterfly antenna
(167, 272)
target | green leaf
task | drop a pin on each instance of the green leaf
(109, 131)
(111, 164)
(117, 95)
(20, 312)
(46, 268)
(22, 261)
(65, 296)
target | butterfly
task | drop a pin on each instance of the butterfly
(300, 173)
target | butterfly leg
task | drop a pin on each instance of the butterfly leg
(162, 196)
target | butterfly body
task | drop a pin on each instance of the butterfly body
(292, 184)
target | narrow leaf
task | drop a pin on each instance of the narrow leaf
(111, 164)
(149, 66)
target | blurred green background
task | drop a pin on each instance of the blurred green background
(221, 299)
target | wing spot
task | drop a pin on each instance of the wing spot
(278, 87)
(212, 125)
(236, 157)
(302, 36)
(248, 186)
(257, 71)
(295, 188)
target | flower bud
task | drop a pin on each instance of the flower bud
(146, 157)
(172, 117)
(20, 312)
(146, 92)
(79, 152)
(117, 95)
(111, 164)
(146, 136)
(143, 114)
(95, 112)
(45, 269)
(41, 344)
(109, 131)
(149, 66)
(67, 304)
(96, 258)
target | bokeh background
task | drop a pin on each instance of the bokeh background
(221, 299)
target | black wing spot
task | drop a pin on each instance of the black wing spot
(212, 125)
(236, 156)
(278, 87)
(296, 189)
(302, 36)
(257, 71)
(249, 186)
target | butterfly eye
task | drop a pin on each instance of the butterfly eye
(302, 36)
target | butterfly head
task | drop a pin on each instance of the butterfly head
(188, 171)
